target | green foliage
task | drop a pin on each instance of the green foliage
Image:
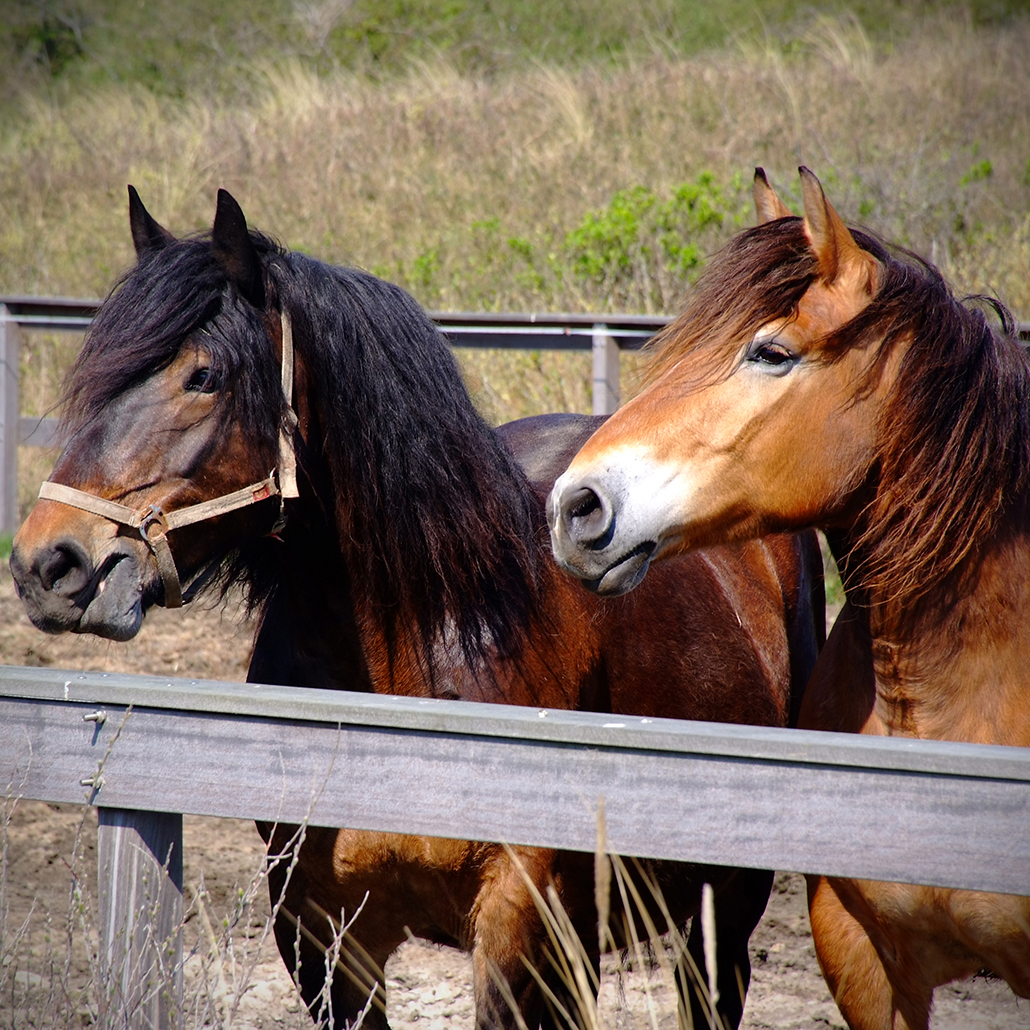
(607, 242)
(482, 267)
(424, 269)
(170, 48)
(977, 173)
(638, 253)
(834, 587)
(6, 542)
(49, 41)
(187, 48)
(694, 209)
(642, 242)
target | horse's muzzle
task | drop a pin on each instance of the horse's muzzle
(64, 591)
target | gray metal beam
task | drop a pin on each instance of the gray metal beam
(930, 812)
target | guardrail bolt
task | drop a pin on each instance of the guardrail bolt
(96, 782)
(98, 717)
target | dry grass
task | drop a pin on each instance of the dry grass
(51, 974)
(464, 189)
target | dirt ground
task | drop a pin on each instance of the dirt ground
(429, 987)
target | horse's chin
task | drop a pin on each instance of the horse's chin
(623, 575)
(116, 608)
(111, 607)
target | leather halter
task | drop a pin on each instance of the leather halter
(154, 523)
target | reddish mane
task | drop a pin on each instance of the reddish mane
(956, 433)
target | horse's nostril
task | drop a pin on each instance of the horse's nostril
(587, 517)
(583, 503)
(66, 570)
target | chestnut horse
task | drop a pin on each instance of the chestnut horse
(818, 378)
(398, 546)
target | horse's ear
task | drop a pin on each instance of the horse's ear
(767, 203)
(835, 249)
(147, 234)
(235, 251)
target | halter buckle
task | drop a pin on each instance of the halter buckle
(152, 516)
(281, 518)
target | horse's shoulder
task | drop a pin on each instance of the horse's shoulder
(545, 444)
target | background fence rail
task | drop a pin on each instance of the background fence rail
(604, 335)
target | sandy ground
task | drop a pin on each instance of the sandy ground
(429, 988)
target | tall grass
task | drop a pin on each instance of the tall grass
(190, 46)
(51, 975)
(488, 192)
(653, 941)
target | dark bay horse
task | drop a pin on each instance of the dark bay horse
(819, 378)
(244, 415)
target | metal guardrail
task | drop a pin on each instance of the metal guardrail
(604, 335)
(144, 750)
(896, 808)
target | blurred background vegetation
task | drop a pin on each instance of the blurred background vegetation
(508, 154)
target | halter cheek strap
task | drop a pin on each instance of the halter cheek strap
(154, 524)
(287, 455)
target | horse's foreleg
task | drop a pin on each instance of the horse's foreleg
(854, 971)
(339, 975)
(518, 978)
(739, 905)
(507, 930)
(511, 980)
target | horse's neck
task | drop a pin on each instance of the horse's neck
(554, 663)
(956, 672)
(309, 634)
(318, 630)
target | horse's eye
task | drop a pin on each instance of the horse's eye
(203, 380)
(772, 356)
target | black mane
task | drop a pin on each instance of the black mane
(170, 295)
(434, 518)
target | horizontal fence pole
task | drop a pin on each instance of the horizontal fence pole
(941, 813)
(512, 330)
(66, 314)
(38, 432)
(488, 330)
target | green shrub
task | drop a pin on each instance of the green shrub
(644, 249)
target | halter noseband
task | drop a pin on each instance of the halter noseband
(154, 524)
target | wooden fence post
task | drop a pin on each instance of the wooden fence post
(10, 348)
(606, 371)
(140, 860)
